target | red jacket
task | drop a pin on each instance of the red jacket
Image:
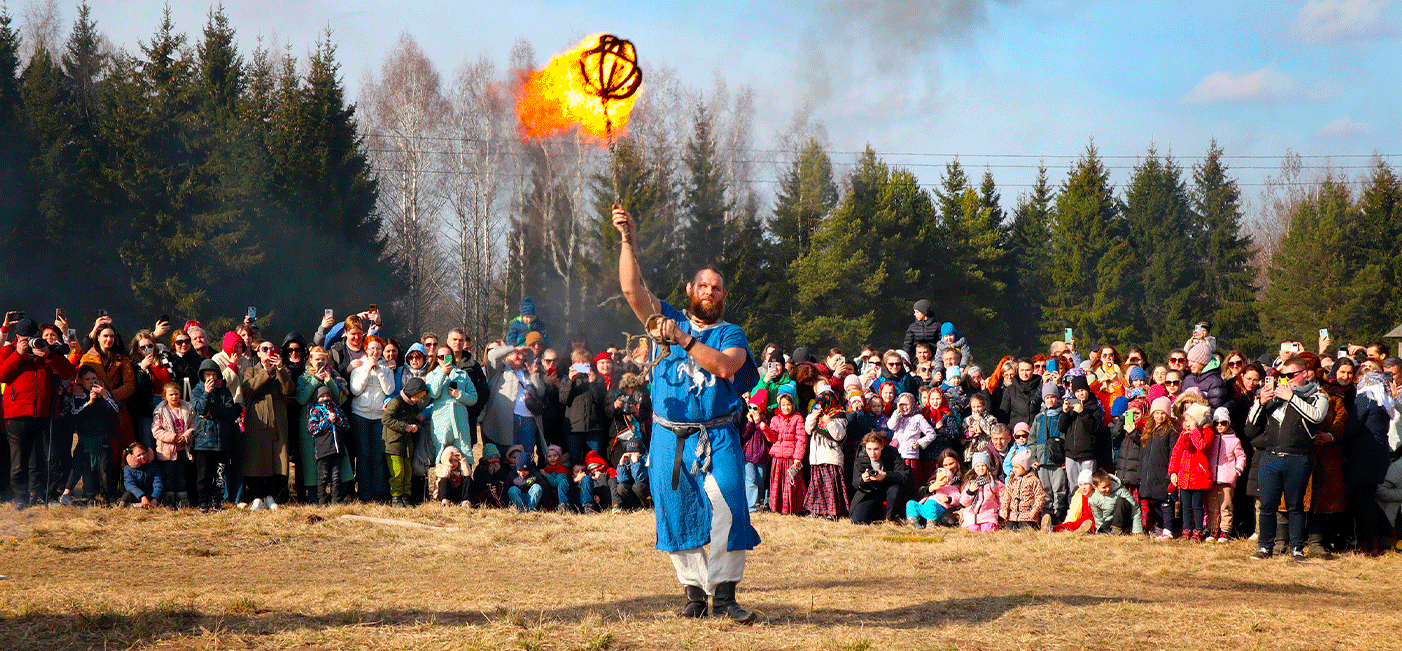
(29, 381)
(1190, 461)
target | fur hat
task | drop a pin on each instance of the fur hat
(1200, 353)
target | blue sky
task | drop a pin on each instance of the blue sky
(936, 77)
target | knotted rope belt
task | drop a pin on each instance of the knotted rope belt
(702, 463)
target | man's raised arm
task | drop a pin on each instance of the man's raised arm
(630, 277)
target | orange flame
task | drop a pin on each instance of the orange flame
(560, 97)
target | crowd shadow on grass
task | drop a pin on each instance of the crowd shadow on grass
(107, 629)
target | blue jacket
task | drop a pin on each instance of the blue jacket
(1045, 442)
(143, 481)
(516, 331)
(218, 416)
(1012, 452)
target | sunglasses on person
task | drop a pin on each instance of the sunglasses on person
(1291, 375)
(1236, 363)
(1019, 436)
(1133, 360)
(147, 347)
(1177, 360)
(266, 349)
(293, 349)
(182, 342)
(1173, 383)
(444, 356)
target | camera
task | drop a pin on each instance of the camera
(631, 402)
(37, 343)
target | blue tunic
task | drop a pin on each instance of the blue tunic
(683, 392)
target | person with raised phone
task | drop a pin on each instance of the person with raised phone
(697, 473)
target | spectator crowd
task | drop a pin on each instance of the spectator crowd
(1296, 449)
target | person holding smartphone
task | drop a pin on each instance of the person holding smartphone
(31, 376)
(451, 391)
(319, 372)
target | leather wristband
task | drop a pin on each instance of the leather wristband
(689, 344)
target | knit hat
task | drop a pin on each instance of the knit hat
(489, 450)
(554, 448)
(231, 341)
(760, 398)
(1079, 383)
(851, 382)
(800, 355)
(633, 445)
(592, 461)
(26, 327)
(1118, 406)
(1083, 478)
(983, 458)
(1221, 414)
(972, 369)
(527, 307)
(322, 390)
(601, 356)
(533, 337)
(1022, 427)
(1161, 403)
(1138, 373)
(415, 386)
(948, 328)
(192, 324)
(1198, 412)
(523, 462)
(788, 391)
(1200, 353)
(923, 306)
(1024, 459)
(1050, 389)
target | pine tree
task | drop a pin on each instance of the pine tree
(1372, 303)
(807, 195)
(1309, 280)
(949, 196)
(1028, 271)
(990, 200)
(1084, 230)
(970, 287)
(1158, 227)
(704, 199)
(1222, 259)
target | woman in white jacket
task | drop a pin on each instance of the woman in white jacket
(371, 381)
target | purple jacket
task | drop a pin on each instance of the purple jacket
(753, 444)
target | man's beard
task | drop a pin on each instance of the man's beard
(703, 313)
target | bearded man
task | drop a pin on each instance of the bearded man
(696, 471)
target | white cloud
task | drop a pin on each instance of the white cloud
(1268, 84)
(1341, 21)
(1345, 127)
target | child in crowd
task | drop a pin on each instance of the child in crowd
(593, 482)
(982, 496)
(528, 486)
(141, 478)
(490, 479)
(630, 488)
(1125, 434)
(1227, 460)
(218, 417)
(789, 445)
(558, 476)
(1048, 454)
(1080, 518)
(1021, 432)
(755, 447)
(978, 426)
(328, 427)
(1188, 467)
(451, 478)
(400, 423)
(933, 500)
(1112, 506)
(910, 435)
(1138, 383)
(827, 430)
(171, 426)
(1023, 496)
(1158, 439)
(92, 415)
(942, 418)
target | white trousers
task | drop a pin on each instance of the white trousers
(706, 571)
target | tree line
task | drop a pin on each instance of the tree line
(185, 178)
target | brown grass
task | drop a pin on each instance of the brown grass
(302, 578)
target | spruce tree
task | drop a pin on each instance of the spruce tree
(969, 286)
(949, 196)
(1158, 227)
(1309, 279)
(704, 198)
(807, 195)
(1084, 230)
(1373, 259)
(1028, 269)
(1227, 294)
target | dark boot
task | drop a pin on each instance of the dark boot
(695, 602)
(723, 605)
(1314, 547)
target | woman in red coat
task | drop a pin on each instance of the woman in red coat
(1189, 468)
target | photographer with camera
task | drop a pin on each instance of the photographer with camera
(30, 370)
(880, 475)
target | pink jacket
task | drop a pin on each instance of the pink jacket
(981, 507)
(1227, 457)
(789, 437)
(163, 428)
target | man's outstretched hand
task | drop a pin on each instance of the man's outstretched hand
(624, 223)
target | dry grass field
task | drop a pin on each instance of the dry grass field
(303, 578)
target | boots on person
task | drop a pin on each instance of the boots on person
(1282, 537)
(1314, 547)
(695, 602)
(723, 605)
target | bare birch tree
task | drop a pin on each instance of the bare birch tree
(405, 112)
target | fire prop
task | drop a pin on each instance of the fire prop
(592, 87)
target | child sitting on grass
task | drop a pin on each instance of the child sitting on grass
(933, 500)
(1113, 506)
(328, 426)
(1080, 518)
(451, 477)
(528, 486)
(1023, 496)
(141, 478)
(593, 482)
(983, 495)
(557, 475)
(630, 487)
(490, 479)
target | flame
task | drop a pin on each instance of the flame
(558, 97)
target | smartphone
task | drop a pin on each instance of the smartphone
(1051, 366)
(1067, 338)
(165, 318)
(19, 314)
(1323, 333)
(58, 314)
(582, 369)
(328, 313)
(252, 313)
(101, 313)
(453, 385)
(72, 334)
(1295, 347)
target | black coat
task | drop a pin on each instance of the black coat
(1365, 445)
(584, 404)
(1127, 464)
(1153, 466)
(896, 471)
(927, 331)
(1081, 431)
(1020, 401)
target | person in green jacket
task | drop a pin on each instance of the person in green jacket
(1112, 505)
(773, 378)
(399, 424)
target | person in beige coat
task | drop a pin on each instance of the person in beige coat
(506, 402)
(265, 389)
